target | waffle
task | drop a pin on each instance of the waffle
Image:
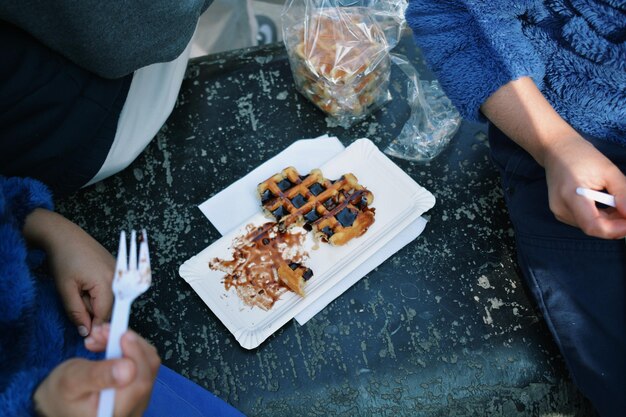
(336, 211)
(266, 262)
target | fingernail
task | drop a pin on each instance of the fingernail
(131, 336)
(82, 330)
(89, 340)
(121, 372)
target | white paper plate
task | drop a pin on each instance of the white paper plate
(398, 201)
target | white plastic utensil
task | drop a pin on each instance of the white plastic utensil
(132, 278)
(600, 197)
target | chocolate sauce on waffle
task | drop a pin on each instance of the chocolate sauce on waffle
(257, 270)
(335, 210)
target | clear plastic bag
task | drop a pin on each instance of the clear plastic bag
(339, 53)
(433, 121)
(340, 56)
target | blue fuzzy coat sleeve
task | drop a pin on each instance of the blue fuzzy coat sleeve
(474, 47)
(18, 197)
(20, 370)
(21, 196)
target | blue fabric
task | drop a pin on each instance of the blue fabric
(35, 334)
(175, 395)
(577, 281)
(574, 50)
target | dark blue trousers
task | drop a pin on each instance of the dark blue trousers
(57, 120)
(578, 282)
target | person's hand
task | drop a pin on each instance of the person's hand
(521, 111)
(73, 388)
(82, 268)
(574, 162)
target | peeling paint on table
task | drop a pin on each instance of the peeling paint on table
(443, 328)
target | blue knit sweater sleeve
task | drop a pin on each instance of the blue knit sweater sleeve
(474, 47)
(20, 196)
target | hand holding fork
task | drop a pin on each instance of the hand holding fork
(132, 278)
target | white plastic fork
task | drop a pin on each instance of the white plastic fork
(600, 197)
(132, 278)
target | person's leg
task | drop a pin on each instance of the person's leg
(578, 282)
(57, 120)
(175, 395)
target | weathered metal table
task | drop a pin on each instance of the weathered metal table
(443, 328)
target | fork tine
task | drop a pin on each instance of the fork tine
(132, 260)
(144, 255)
(122, 264)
